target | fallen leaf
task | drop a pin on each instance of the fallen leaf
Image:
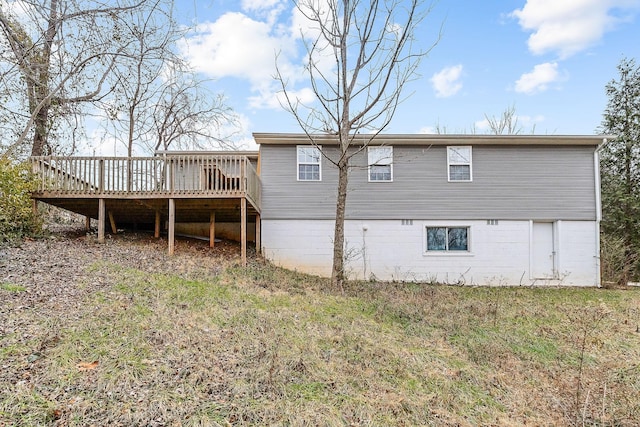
(55, 414)
(87, 366)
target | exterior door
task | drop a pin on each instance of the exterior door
(543, 251)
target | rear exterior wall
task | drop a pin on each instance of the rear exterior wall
(512, 188)
(509, 182)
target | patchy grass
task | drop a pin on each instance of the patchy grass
(264, 346)
(10, 287)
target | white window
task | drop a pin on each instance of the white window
(447, 239)
(380, 163)
(459, 163)
(309, 166)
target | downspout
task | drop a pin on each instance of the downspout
(596, 165)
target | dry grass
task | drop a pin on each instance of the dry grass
(263, 346)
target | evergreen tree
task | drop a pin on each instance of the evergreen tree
(620, 161)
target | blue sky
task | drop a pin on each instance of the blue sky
(550, 59)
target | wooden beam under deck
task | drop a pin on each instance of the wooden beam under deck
(212, 230)
(101, 220)
(258, 240)
(156, 227)
(130, 211)
(243, 230)
(112, 221)
(172, 225)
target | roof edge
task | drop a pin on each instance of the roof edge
(430, 139)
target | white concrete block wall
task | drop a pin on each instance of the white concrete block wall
(578, 262)
(388, 250)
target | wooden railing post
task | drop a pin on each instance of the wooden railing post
(129, 174)
(243, 175)
(101, 176)
(171, 170)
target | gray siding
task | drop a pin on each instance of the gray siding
(509, 182)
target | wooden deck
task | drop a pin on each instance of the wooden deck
(169, 188)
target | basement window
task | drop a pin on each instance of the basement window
(447, 239)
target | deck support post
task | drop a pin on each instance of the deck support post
(212, 229)
(101, 220)
(112, 221)
(243, 230)
(258, 242)
(172, 225)
(156, 230)
(87, 223)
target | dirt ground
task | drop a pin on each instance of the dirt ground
(48, 271)
(38, 265)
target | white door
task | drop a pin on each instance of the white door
(543, 253)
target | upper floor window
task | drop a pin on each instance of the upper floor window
(309, 166)
(459, 163)
(380, 163)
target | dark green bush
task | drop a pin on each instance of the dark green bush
(17, 217)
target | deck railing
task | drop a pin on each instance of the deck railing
(164, 176)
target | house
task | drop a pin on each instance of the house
(463, 209)
(460, 209)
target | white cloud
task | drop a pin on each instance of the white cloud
(234, 45)
(269, 10)
(277, 100)
(247, 47)
(446, 82)
(568, 27)
(539, 79)
(260, 4)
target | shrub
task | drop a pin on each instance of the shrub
(617, 261)
(17, 217)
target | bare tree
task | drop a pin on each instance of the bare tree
(187, 116)
(59, 55)
(360, 55)
(151, 33)
(158, 102)
(506, 124)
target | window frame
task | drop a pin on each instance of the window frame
(381, 161)
(318, 148)
(450, 163)
(446, 251)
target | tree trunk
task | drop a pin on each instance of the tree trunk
(40, 84)
(337, 274)
(40, 132)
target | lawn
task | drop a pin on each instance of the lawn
(264, 346)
